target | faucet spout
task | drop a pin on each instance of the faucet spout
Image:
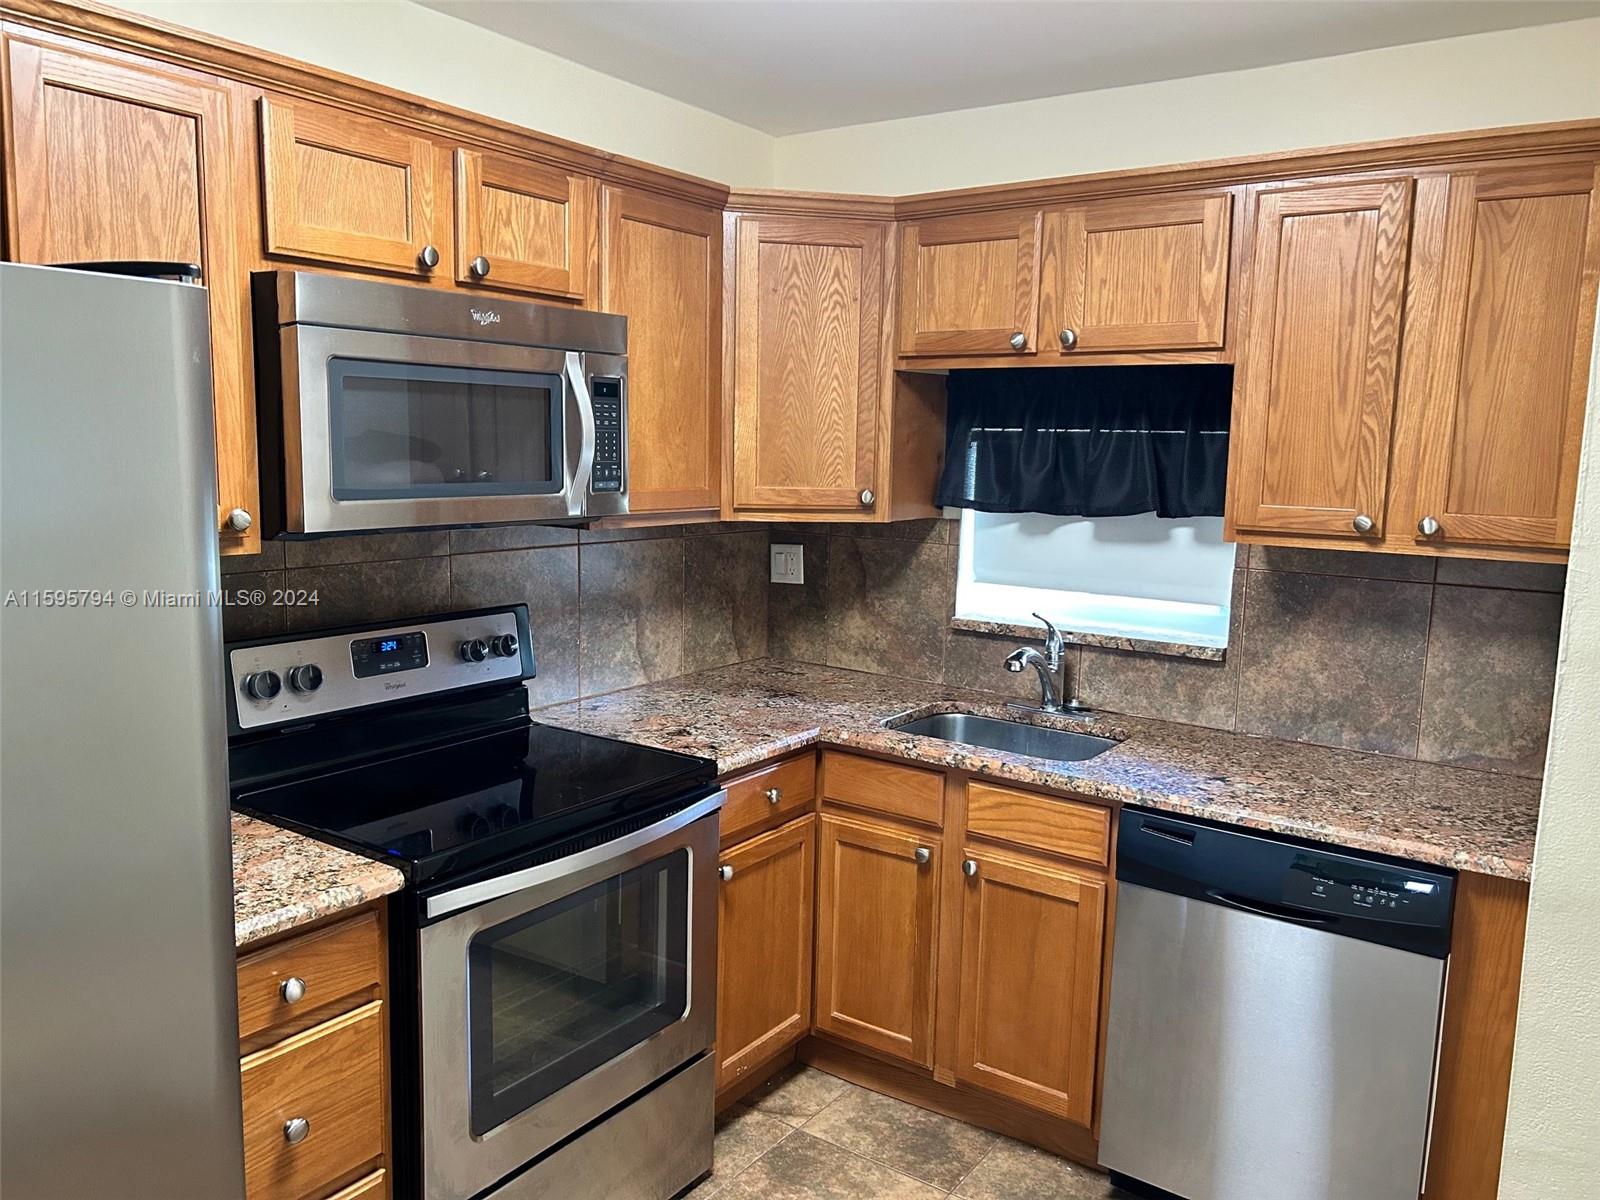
(1017, 660)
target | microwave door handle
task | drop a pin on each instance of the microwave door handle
(582, 476)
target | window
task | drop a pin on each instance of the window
(1140, 577)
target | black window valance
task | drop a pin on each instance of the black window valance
(1089, 441)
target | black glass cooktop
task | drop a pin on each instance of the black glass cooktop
(485, 799)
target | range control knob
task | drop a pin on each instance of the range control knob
(474, 650)
(262, 685)
(305, 678)
(504, 645)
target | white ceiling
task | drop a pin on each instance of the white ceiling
(787, 66)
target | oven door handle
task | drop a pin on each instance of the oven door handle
(573, 864)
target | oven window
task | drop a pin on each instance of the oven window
(566, 988)
(403, 430)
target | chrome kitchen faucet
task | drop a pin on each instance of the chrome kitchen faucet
(1048, 664)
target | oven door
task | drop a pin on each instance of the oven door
(388, 431)
(546, 1006)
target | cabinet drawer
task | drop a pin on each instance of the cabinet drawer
(883, 787)
(780, 790)
(341, 960)
(330, 1076)
(1056, 826)
(369, 1187)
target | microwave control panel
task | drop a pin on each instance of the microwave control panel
(606, 392)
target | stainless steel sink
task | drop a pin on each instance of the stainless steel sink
(1013, 736)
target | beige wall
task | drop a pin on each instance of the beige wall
(1553, 1129)
(418, 50)
(1548, 73)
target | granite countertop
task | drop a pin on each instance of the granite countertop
(744, 714)
(282, 880)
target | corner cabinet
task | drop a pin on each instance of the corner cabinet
(110, 156)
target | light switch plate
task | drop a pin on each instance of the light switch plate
(788, 563)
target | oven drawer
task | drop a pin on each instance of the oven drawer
(330, 1077)
(769, 794)
(341, 962)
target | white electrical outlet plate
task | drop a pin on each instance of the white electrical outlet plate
(788, 564)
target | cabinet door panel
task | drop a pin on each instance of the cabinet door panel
(877, 925)
(1502, 393)
(533, 226)
(120, 158)
(970, 284)
(660, 267)
(764, 947)
(1314, 401)
(1031, 947)
(1144, 274)
(346, 189)
(807, 386)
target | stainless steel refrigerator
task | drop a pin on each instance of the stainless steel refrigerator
(119, 1068)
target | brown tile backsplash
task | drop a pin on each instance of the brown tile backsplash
(1448, 660)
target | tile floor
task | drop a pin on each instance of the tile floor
(807, 1134)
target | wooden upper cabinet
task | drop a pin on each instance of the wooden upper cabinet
(1497, 356)
(877, 926)
(522, 226)
(1135, 275)
(764, 939)
(808, 364)
(1032, 941)
(348, 189)
(114, 157)
(1314, 395)
(969, 285)
(661, 266)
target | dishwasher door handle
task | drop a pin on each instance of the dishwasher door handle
(1263, 909)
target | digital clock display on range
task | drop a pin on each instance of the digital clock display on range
(389, 653)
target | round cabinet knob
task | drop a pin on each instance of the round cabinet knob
(292, 989)
(479, 267)
(296, 1130)
(504, 645)
(774, 795)
(1362, 523)
(1428, 526)
(305, 678)
(428, 256)
(867, 496)
(1019, 340)
(922, 855)
(262, 685)
(240, 519)
(969, 868)
(1069, 338)
(724, 873)
(474, 650)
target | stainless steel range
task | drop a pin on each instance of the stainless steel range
(554, 959)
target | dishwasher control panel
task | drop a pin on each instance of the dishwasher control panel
(1336, 885)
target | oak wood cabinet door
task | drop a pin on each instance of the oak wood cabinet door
(877, 926)
(1148, 274)
(1032, 940)
(1314, 396)
(1497, 357)
(522, 226)
(808, 359)
(764, 946)
(661, 263)
(343, 188)
(115, 157)
(969, 285)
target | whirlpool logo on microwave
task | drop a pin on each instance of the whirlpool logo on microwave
(485, 316)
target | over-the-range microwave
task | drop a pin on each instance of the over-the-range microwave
(383, 406)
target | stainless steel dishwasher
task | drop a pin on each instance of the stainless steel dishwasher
(1275, 1013)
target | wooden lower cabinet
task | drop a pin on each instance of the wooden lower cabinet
(1032, 940)
(764, 939)
(877, 927)
(314, 1065)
